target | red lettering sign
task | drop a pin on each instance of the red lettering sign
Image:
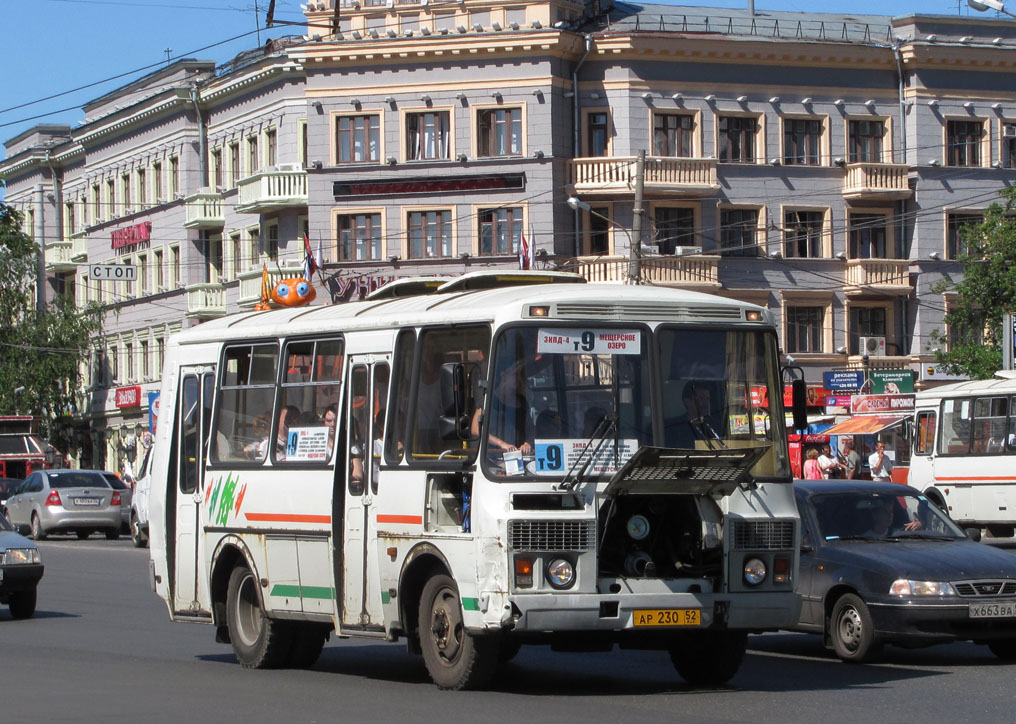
(131, 235)
(880, 404)
(128, 396)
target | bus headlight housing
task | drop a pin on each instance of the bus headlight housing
(754, 571)
(560, 573)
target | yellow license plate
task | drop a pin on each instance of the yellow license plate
(667, 617)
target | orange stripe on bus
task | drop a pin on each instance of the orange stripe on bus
(286, 518)
(976, 477)
(417, 519)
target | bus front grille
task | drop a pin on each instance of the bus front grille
(551, 535)
(767, 535)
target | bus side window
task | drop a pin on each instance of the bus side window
(398, 404)
(311, 385)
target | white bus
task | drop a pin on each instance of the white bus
(511, 458)
(964, 453)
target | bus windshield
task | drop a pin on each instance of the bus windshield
(563, 397)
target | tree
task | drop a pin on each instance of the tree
(984, 297)
(40, 350)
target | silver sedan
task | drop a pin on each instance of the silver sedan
(78, 501)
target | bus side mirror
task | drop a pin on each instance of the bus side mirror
(456, 402)
(800, 404)
(973, 534)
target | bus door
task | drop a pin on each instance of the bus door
(190, 438)
(366, 402)
(922, 458)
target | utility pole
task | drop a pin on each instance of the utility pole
(635, 252)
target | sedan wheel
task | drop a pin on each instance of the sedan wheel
(37, 532)
(852, 631)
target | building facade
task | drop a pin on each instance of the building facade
(817, 164)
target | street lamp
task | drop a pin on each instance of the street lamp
(17, 391)
(982, 6)
(578, 204)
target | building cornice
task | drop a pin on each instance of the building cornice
(234, 83)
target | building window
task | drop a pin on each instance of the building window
(359, 237)
(69, 219)
(866, 322)
(499, 132)
(142, 188)
(357, 139)
(737, 139)
(804, 329)
(1009, 145)
(146, 362)
(160, 197)
(217, 170)
(110, 199)
(160, 352)
(428, 136)
(599, 230)
(271, 147)
(500, 231)
(597, 133)
(963, 143)
(957, 226)
(174, 176)
(160, 272)
(128, 358)
(868, 236)
(430, 234)
(272, 242)
(739, 232)
(673, 135)
(253, 159)
(125, 184)
(213, 257)
(802, 234)
(303, 143)
(96, 204)
(174, 267)
(802, 141)
(236, 253)
(674, 226)
(253, 247)
(143, 274)
(866, 141)
(234, 163)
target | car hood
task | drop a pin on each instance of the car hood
(10, 539)
(928, 560)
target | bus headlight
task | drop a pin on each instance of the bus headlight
(754, 571)
(560, 573)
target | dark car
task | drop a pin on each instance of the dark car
(20, 571)
(882, 564)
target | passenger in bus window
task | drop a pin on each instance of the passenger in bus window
(509, 427)
(260, 428)
(330, 418)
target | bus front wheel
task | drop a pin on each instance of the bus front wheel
(258, 641)
(454, 658)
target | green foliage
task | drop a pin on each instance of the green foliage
(984, 297)
(41, 351)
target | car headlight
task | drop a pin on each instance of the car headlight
(754, 571)
(904, 587)
(19, 556)
(560, 573)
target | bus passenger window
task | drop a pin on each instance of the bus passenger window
(246, 397)
(311, 387)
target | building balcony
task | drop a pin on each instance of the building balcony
(614, 176)
(876, 182)
(58, 256)
(79, 247)
(878, 276)
(204, 211)
(272, 190)
(888, 362)
(699, 273)
(250, 281)
(206, 301)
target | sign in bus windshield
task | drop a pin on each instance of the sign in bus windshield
(589, 341)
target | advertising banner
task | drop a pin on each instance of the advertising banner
(891, 382)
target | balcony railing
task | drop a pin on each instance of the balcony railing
(615, 175)
(272, 190)
(205, 301)
(888, 362)
(204, 211)
(79, 247)
(878, 276)
(58, 256)
(877, 181)
(250, 281)
(688, 272)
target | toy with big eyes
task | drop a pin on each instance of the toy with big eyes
(293, 292)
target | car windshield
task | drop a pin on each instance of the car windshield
(114, 481)
(77, 479)
(880, 516)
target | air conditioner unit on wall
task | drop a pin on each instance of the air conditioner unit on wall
(872, 346)
(683, 250)
(1009, 130)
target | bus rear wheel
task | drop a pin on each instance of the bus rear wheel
(258, 641)
(455, 659)
(708, 658)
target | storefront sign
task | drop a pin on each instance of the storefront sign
(837, 403)
(128, 396)
(815, 396)
(880, 404)
(841, 380)
(938, 374)
(131, 235)
(891, 382)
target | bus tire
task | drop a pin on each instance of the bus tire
(455, 659)
(308, 640)
(852, 631)
(708, 658)
(259, 642)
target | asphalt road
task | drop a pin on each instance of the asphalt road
(101, 648)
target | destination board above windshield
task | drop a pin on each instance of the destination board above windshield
(589, 341)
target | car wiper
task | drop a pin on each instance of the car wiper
(923, 536)
(595, 443)
(860, 537)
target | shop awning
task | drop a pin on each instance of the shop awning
(865, 424)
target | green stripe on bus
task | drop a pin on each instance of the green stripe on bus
(303, 591)
(471, 604)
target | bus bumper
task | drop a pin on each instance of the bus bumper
(756, 611)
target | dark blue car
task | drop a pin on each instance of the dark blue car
(882, 564)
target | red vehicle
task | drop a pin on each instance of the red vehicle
(21, 448)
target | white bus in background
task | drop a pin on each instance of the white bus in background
(516, 458)
(964, 453)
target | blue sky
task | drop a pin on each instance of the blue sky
(57, 47)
